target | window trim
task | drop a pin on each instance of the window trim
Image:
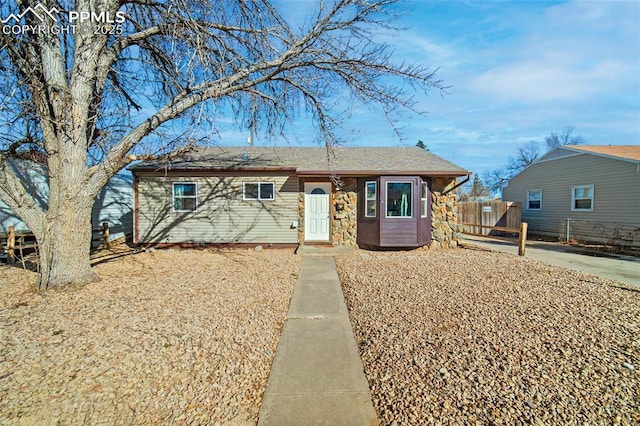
(367, 199)
(573, 198)
(173, 196)
(424, 207)
(529, 200)
(259, 198)
(386, 196)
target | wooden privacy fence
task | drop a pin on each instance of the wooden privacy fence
(497, 219)
(17, 245)
(479, 217)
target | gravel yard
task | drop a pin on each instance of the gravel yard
(473, 337)
(167, 337)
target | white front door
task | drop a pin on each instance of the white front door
(316, 211)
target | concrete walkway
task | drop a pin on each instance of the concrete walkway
(317, 376)
(621, 268)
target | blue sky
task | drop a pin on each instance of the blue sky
(518, 70)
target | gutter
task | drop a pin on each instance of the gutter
(459, 184)
(360, 173)
(234, 169)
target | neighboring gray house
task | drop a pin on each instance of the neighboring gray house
(582, 193)
(114, 203)
(380, 197)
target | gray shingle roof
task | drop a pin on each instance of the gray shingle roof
(304, 160)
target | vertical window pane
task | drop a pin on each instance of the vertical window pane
(423, 200)
(582, 197)
(371, 199)
(371, 190)
(185, 197)
(534, 200)
(251, 191)
(399, 199)
(266, 191)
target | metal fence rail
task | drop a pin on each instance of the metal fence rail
(600, 232)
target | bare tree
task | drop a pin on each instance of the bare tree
(525, 156)
(117, 73)
(566, 137)
(495, 179)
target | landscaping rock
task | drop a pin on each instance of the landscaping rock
(474, 337)
(183, 337)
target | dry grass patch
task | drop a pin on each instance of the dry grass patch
(473, 337)
(165, 337)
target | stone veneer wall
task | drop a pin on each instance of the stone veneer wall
(446, 230)
(344, 200)
(300, 210)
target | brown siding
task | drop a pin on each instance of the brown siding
(368, 228)
(382, 231)
(424, 223)
(399, 231)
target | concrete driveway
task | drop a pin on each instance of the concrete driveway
(621, 268)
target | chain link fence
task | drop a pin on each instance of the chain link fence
(609, 233)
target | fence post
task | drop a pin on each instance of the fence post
(105, 234)
(11, 245)
(522, 241)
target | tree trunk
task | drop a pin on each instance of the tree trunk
(65, 245)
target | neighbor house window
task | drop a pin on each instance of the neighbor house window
(582, 198)
(424, 200)
(399, 196)
(263, 191)
(185, 197)
(534, 199)
(371, 198)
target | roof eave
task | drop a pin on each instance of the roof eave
(215, 169)
(448, 173)
(578, 150)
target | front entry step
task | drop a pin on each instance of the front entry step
(324, 250)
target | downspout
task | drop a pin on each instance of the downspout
(458, 184)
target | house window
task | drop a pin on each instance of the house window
(371, 195)
(534, 199)
(263, 191)
(582, 198)
(424, 199)
(399, 199)
(185, 197)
